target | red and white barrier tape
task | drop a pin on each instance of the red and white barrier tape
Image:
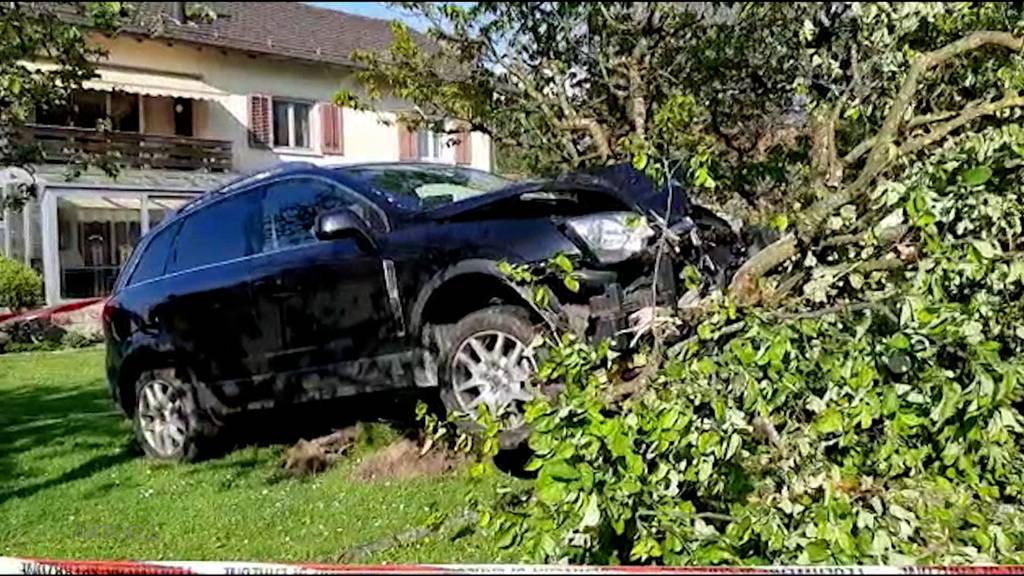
(39, 566)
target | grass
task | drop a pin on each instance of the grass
(74, 485)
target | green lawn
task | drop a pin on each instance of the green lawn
(73, 485)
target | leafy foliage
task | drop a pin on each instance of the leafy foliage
(20, 286)
(884, 427)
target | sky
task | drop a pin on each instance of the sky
(374, 10)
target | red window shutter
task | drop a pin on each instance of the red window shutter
(406, 143)
(332, 138)
(259, 121)
(463, 153)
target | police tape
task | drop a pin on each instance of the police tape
(9, 565)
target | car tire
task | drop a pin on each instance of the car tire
(168, 421)
(498, 332)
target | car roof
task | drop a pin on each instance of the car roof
(295, 168)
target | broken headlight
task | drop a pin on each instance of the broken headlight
(612, 236)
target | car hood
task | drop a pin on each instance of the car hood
(623, 182)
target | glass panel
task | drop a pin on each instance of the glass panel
(281, 123)
(301, 112)
(161, 207)
(35, 236)
(90, 108)
(95, 236)
(220, 232)
(55, 115)
(154, 257)
(17, 231)
(124, 112)
(423, 143)
(290, 209)
(183, 117)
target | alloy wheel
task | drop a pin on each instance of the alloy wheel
(163, 417)
(493, 368)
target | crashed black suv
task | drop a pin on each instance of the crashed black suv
(304, 283)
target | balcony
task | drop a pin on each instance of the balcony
(61, 145)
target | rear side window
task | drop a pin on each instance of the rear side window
(153, 261)
(223, 231)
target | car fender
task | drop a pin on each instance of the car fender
(473, 266)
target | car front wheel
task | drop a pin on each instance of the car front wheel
(489, 362)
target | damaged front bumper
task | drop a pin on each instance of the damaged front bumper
(606, 306)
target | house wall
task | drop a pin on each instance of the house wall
(367, 136)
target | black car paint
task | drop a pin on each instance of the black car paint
(331, 318)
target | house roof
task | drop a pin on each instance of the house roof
(285, 29)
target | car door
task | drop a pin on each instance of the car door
(327, 300)
(208, 307)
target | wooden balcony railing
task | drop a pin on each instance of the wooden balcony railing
(64, 144)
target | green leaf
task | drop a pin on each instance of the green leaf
(817, 552)
(560, 470)
(540, 296)
(829, 421)
(571, 283)
(592, 513)
(562, 262)
(550, 492)
(985, 249)
(976, 176)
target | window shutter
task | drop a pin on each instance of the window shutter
(406, 143)
(463, 153)
(259, 121)
(332, 139)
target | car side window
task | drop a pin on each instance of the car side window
(290, 208)
(153, 262)
(226, 230)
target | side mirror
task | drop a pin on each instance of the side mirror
(344, 223)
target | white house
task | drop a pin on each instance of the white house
(190, 108)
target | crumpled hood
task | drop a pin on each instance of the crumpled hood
(621, 181)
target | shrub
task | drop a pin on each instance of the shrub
(20, 286)
(76, 340)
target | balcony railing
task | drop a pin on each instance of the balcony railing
(65, 144)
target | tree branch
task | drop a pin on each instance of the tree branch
(967, 115)
(597, 134)
(744, 282)
(880, 155)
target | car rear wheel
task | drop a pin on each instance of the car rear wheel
(489, 362)
(167, 417)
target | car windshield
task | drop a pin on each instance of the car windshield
(422, 187)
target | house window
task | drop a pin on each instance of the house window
(89, 108)
(291, 124)
(428, 145)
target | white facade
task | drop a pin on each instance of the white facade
(368, 136)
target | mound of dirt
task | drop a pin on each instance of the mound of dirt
(402, 459)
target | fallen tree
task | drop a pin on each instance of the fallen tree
(853, 395)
